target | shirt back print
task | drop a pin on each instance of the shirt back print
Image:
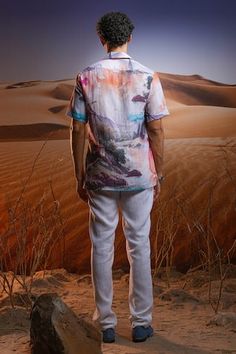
(116, 97)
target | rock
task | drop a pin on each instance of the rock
(178, 295)
(55, 329)
(117, 274)
(228, 300)
(230, 270)
(173, 273)
(225, 319)
(87, 279)
(125, 280)
(47, 282)
(61, 274)
(49, 278)
(230, 286)
(196, 279)
(157, 290)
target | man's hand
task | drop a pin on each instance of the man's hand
(157, 189)
(77, 137)
(81, 191)
(156, 141)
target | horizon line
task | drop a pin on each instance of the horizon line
(159, 72)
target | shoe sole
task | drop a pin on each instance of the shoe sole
(109, 341)
(137, 340)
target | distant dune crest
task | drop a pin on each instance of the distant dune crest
(196, 90)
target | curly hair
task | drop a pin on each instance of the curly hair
(115, 28)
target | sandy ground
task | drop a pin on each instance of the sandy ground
(183, 320)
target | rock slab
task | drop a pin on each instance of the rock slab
(56, 329)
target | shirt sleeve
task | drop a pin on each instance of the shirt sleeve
(77, 106)
(156, 107)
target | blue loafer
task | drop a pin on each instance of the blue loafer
(141, 333)
(108, 335)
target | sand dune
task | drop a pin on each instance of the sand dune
(57, 109)
(199, 92)
(23, 84)
(35, 104)
(62, 92)
(38, 131)
(195, 78)
(199, 147)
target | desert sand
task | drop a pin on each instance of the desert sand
(200, 147)
(183, 321)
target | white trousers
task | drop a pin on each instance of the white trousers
(103, 219)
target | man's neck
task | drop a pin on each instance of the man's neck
(123, 49)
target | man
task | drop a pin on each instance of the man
(118, 103)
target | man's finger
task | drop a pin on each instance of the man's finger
(156, 191)
(82, 193)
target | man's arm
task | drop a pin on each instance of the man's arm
(78, 144)
(155, 110)
(156, 140)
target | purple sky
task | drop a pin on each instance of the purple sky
(54, 39)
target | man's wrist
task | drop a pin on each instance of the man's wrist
(80, 180)
(79, 176)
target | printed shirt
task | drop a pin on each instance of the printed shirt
(116, 96)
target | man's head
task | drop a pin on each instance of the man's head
(114, 30)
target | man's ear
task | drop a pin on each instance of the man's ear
(102, 40)
(130, 38)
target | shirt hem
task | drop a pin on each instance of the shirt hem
(124, 189)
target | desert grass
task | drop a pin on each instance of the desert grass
(178, 214)
(34, 229)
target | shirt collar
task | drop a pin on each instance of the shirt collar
(115, 55)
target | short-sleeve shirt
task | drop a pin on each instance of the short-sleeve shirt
(115, 97)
